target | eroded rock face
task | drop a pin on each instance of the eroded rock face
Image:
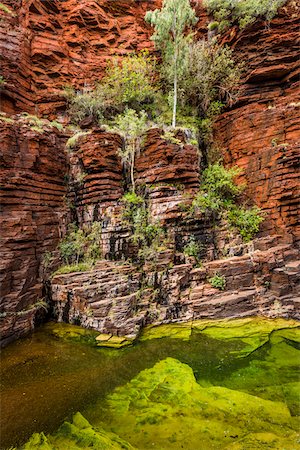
(261, 134)
(33, 170)
(116, 299)
(51, 43)
(48, 44)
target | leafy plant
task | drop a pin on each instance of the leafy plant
(81, 245)
(172, 36)
(127, 83)
(218, 282)
(169, 136)
(147, 236)
(193, 249)
(247, 221)
(5, 9)
(69, 268)
(242, 12)
(130, 80)
(212, 81)
(73, 140)
(131, 126)
(219, 193)
(220, 181)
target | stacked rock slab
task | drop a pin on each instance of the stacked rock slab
(33, 169)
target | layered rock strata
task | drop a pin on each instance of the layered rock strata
(33, 215)
(261, 133)
(116, 299)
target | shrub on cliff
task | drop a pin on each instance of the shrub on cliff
(131, 126)
(219, 194)
(242, 12)
(211, 82)
(246, 221)
(81, 245)
(127, 83)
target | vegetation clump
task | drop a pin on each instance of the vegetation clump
(147, 236)
(219, 194)
(127, 83)
(131, 126)
(193, 249)
(218, 282)
(80, 248)
(242, 12)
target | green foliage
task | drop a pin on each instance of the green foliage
(86, 103)
(5, 9)
(220, 181)
(193, 249)
(211, 82)
(70, 268)
(169, 136)
(130, 81)
(247, 221)
(81, 245)
(219, 193)
(172, 36)
(57, 125)
(147, 236)
(73, 140)
(4, 118)
(131, 198)
(218, 282)
(2, 79)
(242, 12)
(217, 189)
(127, 83)
(47, 259)
(131, 126)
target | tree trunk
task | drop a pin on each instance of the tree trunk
(132, 169)
(175, 91)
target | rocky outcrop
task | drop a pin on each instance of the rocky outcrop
(47, 44)
(117, 299)
(261, 133)
(33, 169)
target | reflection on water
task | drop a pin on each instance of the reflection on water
(46, 379)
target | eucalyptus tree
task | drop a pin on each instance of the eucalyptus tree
(172, 36)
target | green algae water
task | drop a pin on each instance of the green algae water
(206, 385)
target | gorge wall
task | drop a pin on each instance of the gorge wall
(48, 44)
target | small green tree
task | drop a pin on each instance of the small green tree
(171, 37)
(131, 126)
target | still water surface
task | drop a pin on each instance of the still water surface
(46, 378)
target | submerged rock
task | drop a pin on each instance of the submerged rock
(166, 408)
(78, 434)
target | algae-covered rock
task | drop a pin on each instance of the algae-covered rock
(164, 407)
(174, 330)
(110, 341)
(73, 333)
(38, 441)
(276, 375)
(253, 332)
(79, 434)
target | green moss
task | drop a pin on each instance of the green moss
(166, 404)
(107, 340)
(70, 268)
(73, 333)
(176, 330)
(76, 435)
(253, 332)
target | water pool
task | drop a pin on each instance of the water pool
(204, 385)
